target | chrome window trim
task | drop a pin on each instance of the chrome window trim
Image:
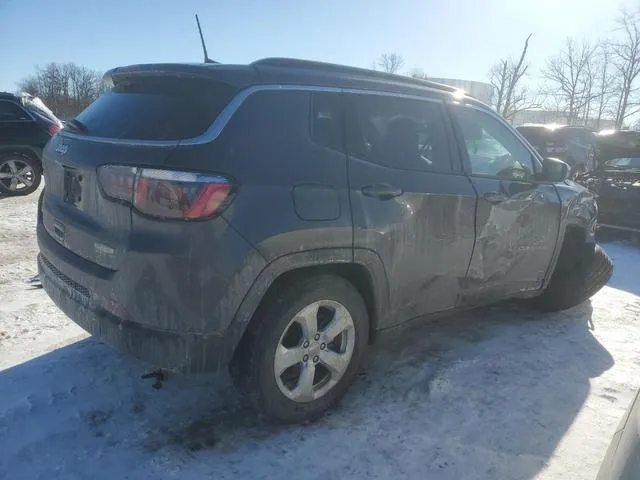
(218, 125)
(382, 93)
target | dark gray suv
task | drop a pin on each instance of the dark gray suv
(276, 217)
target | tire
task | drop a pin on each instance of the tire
(11, 165)
(254, 366)
(576, 279)
(40, 200)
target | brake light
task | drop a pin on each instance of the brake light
(54, 128)
(167, 194)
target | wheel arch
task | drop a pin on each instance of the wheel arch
(33, 152)
(573, 236)
(364, 271)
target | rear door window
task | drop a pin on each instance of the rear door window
(38, 108)
(398, 132)
(10, 111)
(156, 109)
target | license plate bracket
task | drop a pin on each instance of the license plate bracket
(72, 186)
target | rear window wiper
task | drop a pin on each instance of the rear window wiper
(76, 125)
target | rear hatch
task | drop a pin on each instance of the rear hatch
(91, 165)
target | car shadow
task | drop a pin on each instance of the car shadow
(485, 394)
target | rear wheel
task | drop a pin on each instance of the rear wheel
(305, 351)
(581, 272)
(19, 174)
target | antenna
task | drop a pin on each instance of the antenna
(204, 47)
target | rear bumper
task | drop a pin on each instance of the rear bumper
(170, 350)
(81, 290)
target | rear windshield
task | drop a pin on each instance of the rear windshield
(156, 109)
(535, 134)
(571, 135)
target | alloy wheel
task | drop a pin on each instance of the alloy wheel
(314, 351)
(16, 174)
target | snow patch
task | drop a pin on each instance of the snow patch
(501, 392)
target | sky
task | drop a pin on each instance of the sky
(444, 38)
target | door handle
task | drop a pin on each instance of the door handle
(495, 197)
(382, 191)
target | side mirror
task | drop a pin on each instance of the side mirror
(554, 170)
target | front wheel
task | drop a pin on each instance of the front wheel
(20, 174)
(305, 351)
(580, 273)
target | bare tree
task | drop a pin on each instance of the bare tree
(625, 57)
(418, 73)
(510, 97)
(570, 76)
(605, 84)
(390, 62)
(66, 88)
(588, 95)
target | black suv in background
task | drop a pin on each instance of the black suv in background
(617, 144)
(575, 145)
(616, 184)
(26, 125)
(278, 216)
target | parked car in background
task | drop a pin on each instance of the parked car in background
(26, 125)
(616, 183)
(276, 217)
(617, 144)
(575, 145)
(622, 460)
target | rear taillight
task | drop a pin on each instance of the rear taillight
(54, 128)
(167, 193)
(118, 181)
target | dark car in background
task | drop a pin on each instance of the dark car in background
(622, 460)
(616, 183)
(26, 125)
(617, 144)
(575, 145)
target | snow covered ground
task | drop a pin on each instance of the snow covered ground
(500, 393)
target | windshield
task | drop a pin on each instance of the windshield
(631, 163)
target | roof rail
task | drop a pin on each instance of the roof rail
(345, 70)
